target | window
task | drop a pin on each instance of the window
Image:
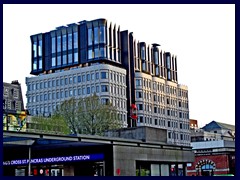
(92, 76)
(66, 93)
(139, 94)
(102, 52)
(35, 49)
(74, 79)
(93, 89)
(76, 57)
(97, 89)
(96, 35)
(88, 77)
(84, 91)
(79, 91)
(75, 40)
(35, 65)
(53, 61)
(90, 54)
(102, 34)
(138, 82)
(64, 42)
(70, 80)
(59, 44)
(143, 57)
(104, 75)
(104, 88)
(70, 93)
(70, 58)
(64, 59)
(66, 81)
(83, 78)
(69, 41)
(88, 90)
(59, 63)
(53, 45)
(139, 107)
(79, 78)
(96, 52)
(90, 34)
(97, 75)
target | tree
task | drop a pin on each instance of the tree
(53, 125)
(88, 115)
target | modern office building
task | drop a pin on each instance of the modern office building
(14, 114)
(96, 56)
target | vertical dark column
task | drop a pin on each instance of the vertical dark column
(83, 43)
(128, 64)
(47, 61)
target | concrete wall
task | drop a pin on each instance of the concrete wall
(141, 133)
(125, 157)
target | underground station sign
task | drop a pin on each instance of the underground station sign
(58, 159)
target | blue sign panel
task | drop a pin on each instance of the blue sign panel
(58, 159)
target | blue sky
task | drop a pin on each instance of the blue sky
(202, 36)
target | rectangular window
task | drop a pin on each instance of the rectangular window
(59, 63)
(74, 79)
(138, 82)
(93, 89)
(70, 80)
(34, 49)
(64, 59)
(66, 93)
(90, 34)
(64, 42)
(83, 91)
(53, 44)
(75, 40)
(70, 93)
(35, 65)
(104, 75)
(59, 44)
(97, 75)
(62, 94)
(83, 78)
(139, 94)
(53, 61)
(88, 90)
(66, 81)
(40, 63)
(69, 41)
(102, 34)
(62, 82)
(40, 48)
(96, 35)
(92, 76)
(70, 58)
(88, 77)
(76, 57)
(97, 89)
(79, 91)
(90, 54)
(104, 88)
(96, 52)
(79, 78)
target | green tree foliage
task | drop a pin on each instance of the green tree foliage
(52, 125)
(88, 115)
